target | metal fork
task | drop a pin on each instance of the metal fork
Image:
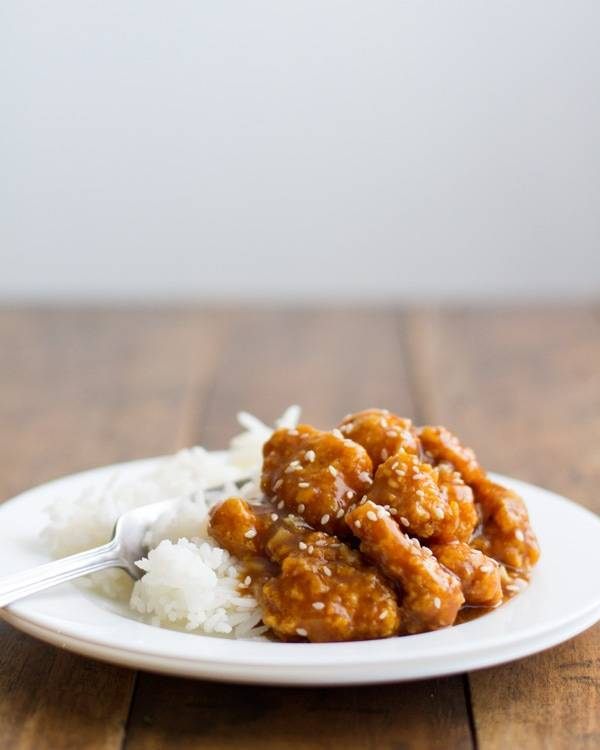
(124, 549)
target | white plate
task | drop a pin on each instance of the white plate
(562, 600)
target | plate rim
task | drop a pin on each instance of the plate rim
(298, 675)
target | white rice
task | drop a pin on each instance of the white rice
(196, 583)
(189, 581)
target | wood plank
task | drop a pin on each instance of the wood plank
(522, 387)
(184, 714)
(331, 362)
(78, 389)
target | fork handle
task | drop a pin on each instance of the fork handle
(19, 585)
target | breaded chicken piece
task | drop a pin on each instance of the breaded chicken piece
(460, 497)
(381, 433)
(479, 575)
(443, 446)
(327, 593)
(310, 584)
(507, 534)
(315, 474)
(432, 594)
(410, 488)
(237, 527)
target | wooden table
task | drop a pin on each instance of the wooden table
(79, 388)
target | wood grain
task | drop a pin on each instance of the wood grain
(331, 362)
(524, 388)
(78, 390)
(187, 715)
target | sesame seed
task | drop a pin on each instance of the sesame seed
(280, 504)
(274, 516)
(250, 534)
(277, 484)
(393, 511)
(247, 580)
(293, 432)
(420, 493)
(332, 470)
(519, 535)
(301, 508)
(318, 605)
(383, 423)
(404, 521)
(326, 570)
(371, 515)
(302, 632)
(364, 477)
(311, 549)
(392, 433)
(302, 545)
(310, 456)
(357, 524)
(486, 568)
(384, 454)
(350, 494)
(337, 433)
(437, 602)
(382, 615)
(340, 513)
(324, 519)
(303, 484)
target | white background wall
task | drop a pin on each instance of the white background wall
(359, 149)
